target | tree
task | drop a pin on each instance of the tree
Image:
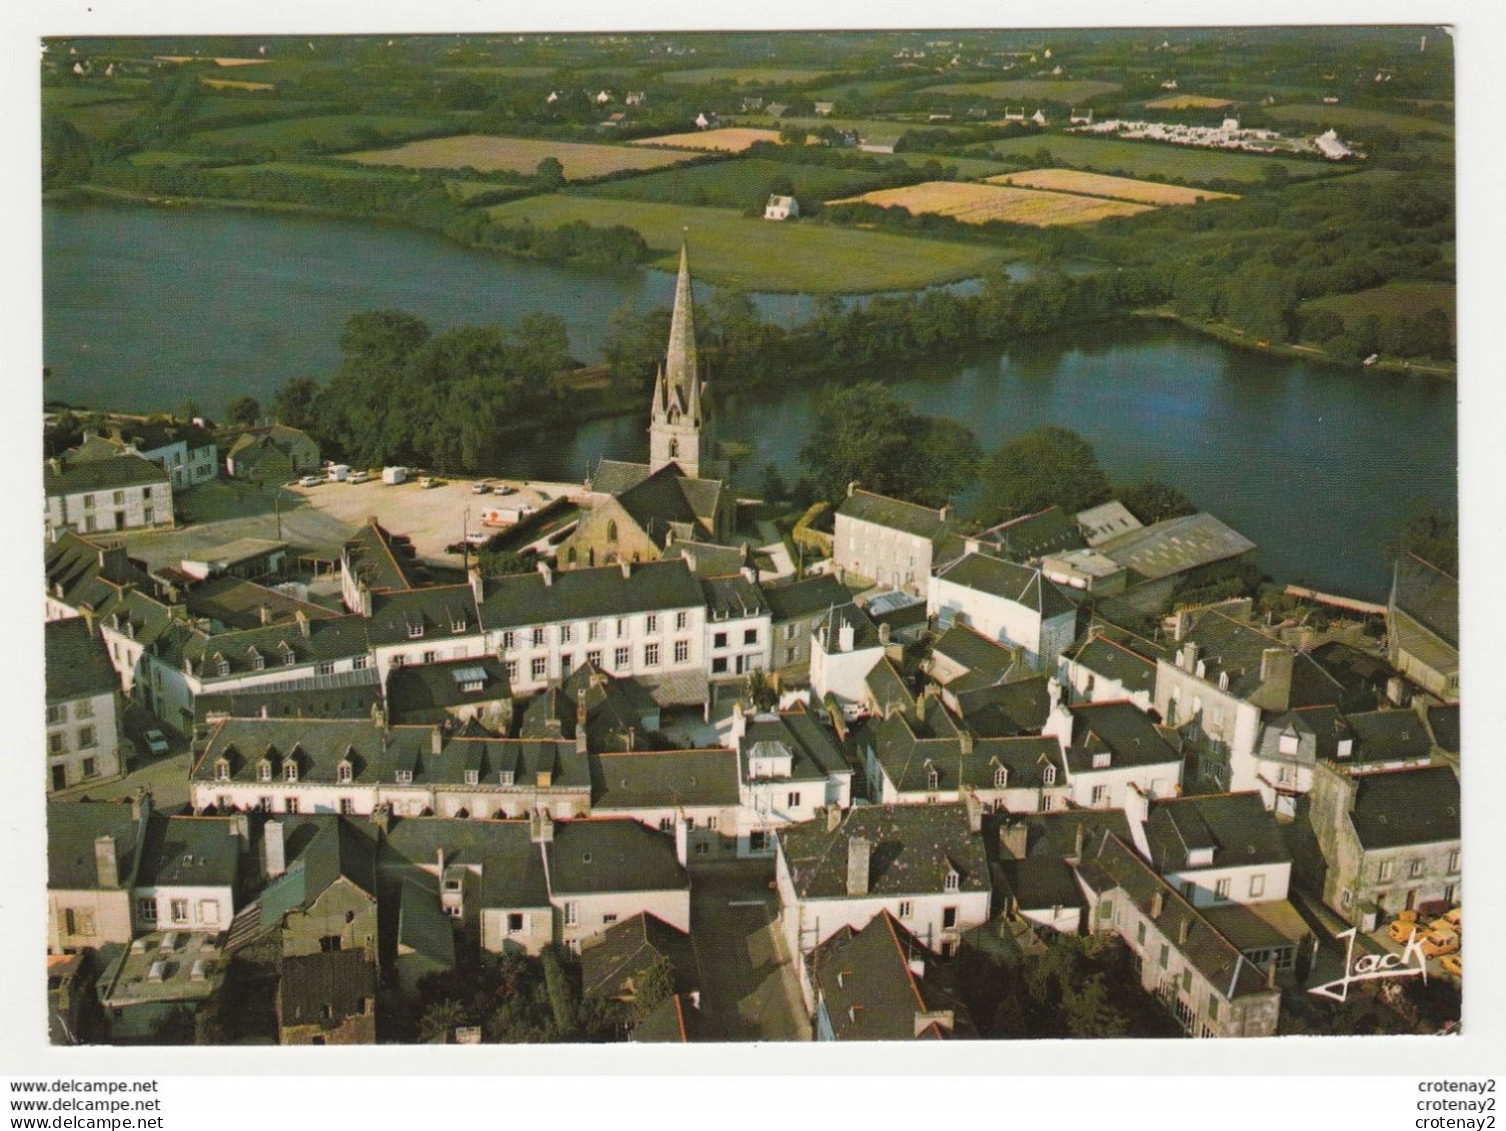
(773, 488)
(1049, 466)
(243, 410)
(550, 173)
(439, 1020)
(66, 155)
(1152, 501)
(943, 460)
(1433, 537)
(1088, 1012)
(296, 402)
(635, 346)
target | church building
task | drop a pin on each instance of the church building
(638, 510)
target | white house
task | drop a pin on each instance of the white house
(845, 646)
(739, 631)
(123, 492)
(1009, 603)
(888, 541)
(790, 769)
(781, 208)
(1111, 749)
(84, 737)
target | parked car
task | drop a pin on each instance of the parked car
(1455, 919)
(1404, 926)
(1453, 964)
(477, 537)
(504, 489)
(156, 742)
(359, 477)
(312, 481)
(1439, 943)
(480, 488)
(427, 481)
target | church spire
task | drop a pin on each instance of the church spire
(681, 378)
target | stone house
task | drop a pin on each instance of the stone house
(888, 541)
(327, 999)
(122, 492)
(1005, 602)
(85, 742)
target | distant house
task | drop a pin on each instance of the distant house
(845, 645)
(781, 208)
(776, 109)
(825, 109)
(795, 609)
(635, 98)
(752, 103)
(272, 453)
(185, 451)
(1423, 617)
(790, 768)
(1111, 749)
(1171, 555)
(1009, 603)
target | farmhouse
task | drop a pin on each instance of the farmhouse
(781, 208)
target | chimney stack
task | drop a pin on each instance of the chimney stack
(858, 854)
(1079, 838)
(274, 853)
(1182, 930)
(436, 740)
(974, 811)
(477, 589)
(303, 622)
(627, 568)
(1157, 904)
(541, 827)
(546, 573)
(682, 840)
(381, 817)
(1014, 838)
(846, 636)
(1188, 658)
(1276, 677)
(264, 613)
(106, 866)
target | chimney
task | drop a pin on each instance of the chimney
(627, 568)
(477, 589)
(1188, 659)
(1270, 976)
(264, 613)
(846, 636)
(917, 966)
(965, 741)
(833, 818)
(1014, 839)
(546, 573)
(1079, 838)
(541, 827)
(381, 817)
(106, 867)
(1054, 692)
(303, 622)
(1182, 929)
(946, 512)
(436, 740)
(883, 630)
(1276, 677)
(1157, 903)
(141, 804)
(852, 486)
(439, 862)
(273, 851)
(974, 811)
(858, 853)
(365, 599)
(682, 840)
(1396, 690)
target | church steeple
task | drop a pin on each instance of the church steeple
(675, 431)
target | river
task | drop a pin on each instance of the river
(147, 308)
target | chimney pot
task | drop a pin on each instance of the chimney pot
(274, 853)
(1157, 903)
(106, 866)
(859, 853)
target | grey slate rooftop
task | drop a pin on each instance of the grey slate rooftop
(1405, 807)
(664, 779)
(1235, 826)
(1429, 596)
(611, 967)
(1020, 584)
(70, 477)
(581, 594)
(897, 514)
(78, 663)
(914, 847)
(1236, 648)
(805, 598)
(607, 855)
(1175, 546)
(1119, 729)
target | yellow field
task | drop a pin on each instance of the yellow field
(729, 140)
(520, 155)
(978, 204)
(232, 84)
(238, 62)
(1188, 102)
(1114, 188)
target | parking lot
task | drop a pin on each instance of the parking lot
(749, 990)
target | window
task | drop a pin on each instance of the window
(1140, 934)
(682, 621)
(1165, 955)
(1221, 889)
(429, 657)
(702, 848)
(415, 630)
(538, 638)
(88, 502)
(611, 531)
(264, 804)
(711, 822)
(258, 661)
(906, 909)
(621, 627)
(1415, 870)
(567, 633)
(148, 515)
(682, 651)
(750, 636)
(514, 922)
(539, 668)
(290, 805)
(509, 641)
(57, 713)
(1001, 777)
(719, 640)
(952, 880)
(290, 772)
(1106, 910)
(264, 770)
(289, 658)
(1186, 981)
(1346, 899)
(178, 910)
(570, 914)
(1386, 867)
(1100, 795)
(347, 806)
(1048, 775)
(593, 657)
(792, 800)
(719, 665)
(1213, 1009)
(56, 744)
(650, 655)
(1284, 775)
(1453, 860)
(758, 840)
(651, 623)
(404, 777)
(609, 918)
(146, 910)
(473, 777)
(593, 630)
(933, 779)
(505, 777)
(510, 669)
(666, 824)
(622, 659)
(1257, 885)
(360, 663)
(344, 772)
(209, 912)
(222, 667)
(948, 918)
(119, 498)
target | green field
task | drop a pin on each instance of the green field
(100, 119)
(500, 72)
(742, 76)
(739, 183)
(858, 88)
(159, 158)
(330, 132)
(1057, 90)
(1353, 118)
(730, 250)
(56, 97)
(1388, 301)
(1147, 159)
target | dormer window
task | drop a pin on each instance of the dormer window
(264, 770)
(290, 773)
(415, 629)
(222, 666)
(473, 777)
(222, 769)
(505, 777)
(1048, 775)
(258, 661)
(1001, 777)
(344, 773)
(953, 878)
(289, 657)
(457, 624)
(1101, 760)
(405, 777)
(933, 779)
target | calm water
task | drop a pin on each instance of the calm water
(146, 308)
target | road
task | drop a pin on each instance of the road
(749, 990)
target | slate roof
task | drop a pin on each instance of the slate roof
(414, 616)
(628, 948)
(911, 518)
(1032, 535)
(72, 827)
(71, 477)
(1404, 807)
(1322, 726)
(318, 852)
(829, 626)
(660, 779)
(1111, 863)
(1389, 736)
(341, 980)
(189, 851)
(816, 755)
(668, 496)
(970, 649)
(606, 855)
(238, 604)
(708, 561)
(1106, 521)
(913, 848)
(620, 712)
(1444, 723)
(150, 435)
(344, 695)
(580, 594)
(78, 663)
(675, 1020)
(422, 925)
(870, 991)
(1005, 710)
(423, 693)
(805, 598)
(382, 560)
(512, 866)
(888, 689)
(1121, 730)
(333, 638)
(318, 746)
(1226, 645)
(1429, 596)
(730, 598)
(1235, 826)
(1019, 584)
(81, 572)
(1043, 878)
(1129, 660)
(910, 748)
(1175, 546)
